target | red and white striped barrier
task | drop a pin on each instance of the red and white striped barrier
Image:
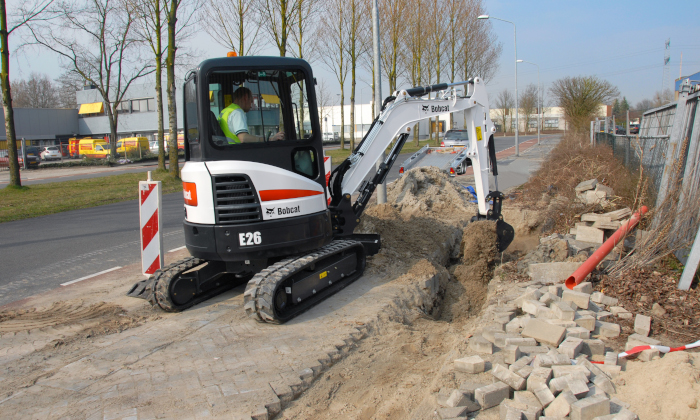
(150, 205)
(661, 349)
(327, 167)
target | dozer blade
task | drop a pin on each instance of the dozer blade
(142, 289)
(505, 233)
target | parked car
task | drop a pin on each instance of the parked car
(634, 128)
(4, 160)
(32, 154)
(455, 138)
(153, 147)
(620, 129)
(50, 153)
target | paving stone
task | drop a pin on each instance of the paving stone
(491, 395)
(500, 338)
(593, 347)
(544, 332)
(610, 370)
(511, 353)
(490, 334)
(587, 322)
(555, 290)
(623, 414)
(520, 341)
(642, 325)
(452, 412)
(592, 306)
(584, 287)
(510, 408)
(616, 405)
(620, 312)
(523, 372)
(585, 186)
(578, 332)
(512, 379)
(593, 368)
(577, 386)
(580, 299)
(611, 358)
(606, 329)
(527, 397)
(538, 376)
(571, 346)
(635, 340)
(589, 234)
(520, 363)
(543, 394)
(604, 316)
(548, 298)
(561, 406)
(530, 295)
(561, 323)
(605, 384)
(591, 407)
(544, 312)
(530, 306)
(514, 326)
(459, 399)
(481, 345)
(471, 364)
(533, 350)
(648, 355)
(443, 395)
(551, 272)
(559, 371)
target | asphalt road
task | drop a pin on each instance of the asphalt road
(38, 255)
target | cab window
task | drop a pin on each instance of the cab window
(258, 106)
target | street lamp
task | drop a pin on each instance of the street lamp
(538, 97)
(515, 43)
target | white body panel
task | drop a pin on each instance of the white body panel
(264, 178)
(405, 111)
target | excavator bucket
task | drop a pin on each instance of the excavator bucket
(505, 233)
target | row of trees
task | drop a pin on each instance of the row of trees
(39, 91)
(102, 43)
(529, 105)
(423, 41)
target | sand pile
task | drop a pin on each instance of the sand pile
(666, 388)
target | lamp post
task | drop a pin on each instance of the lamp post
(538, 97)
(515, 43)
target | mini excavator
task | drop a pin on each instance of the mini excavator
(266, 213)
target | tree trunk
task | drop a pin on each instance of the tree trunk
(170, 73)
(352, 110)
(112, 116)
(342, 118)
(159, 89)
(7, 100)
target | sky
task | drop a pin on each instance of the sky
(621, 41)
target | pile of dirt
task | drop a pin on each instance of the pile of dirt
(655, 293)
(59, 313)
(666, 388)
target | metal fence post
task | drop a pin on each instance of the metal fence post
(592, 128)
(691, 265)
(675, 140)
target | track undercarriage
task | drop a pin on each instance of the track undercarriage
(276, 294)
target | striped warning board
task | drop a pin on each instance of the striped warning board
(327, 167)
(150, 205)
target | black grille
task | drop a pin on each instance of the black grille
(235, 200)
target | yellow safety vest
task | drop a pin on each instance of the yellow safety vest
(223, 122)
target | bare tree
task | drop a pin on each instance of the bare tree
(504, 102)
(355, 49)
(581, 97)
(305, 27)
(278, 19)
(95, 40)
(30, 11)
(393, 15)
(644, 105)
(414, 46)
(528, 104)
(37, 92)
(332, 39)
(324, 101)
(662, 98)
(67, 85)
(233, 24)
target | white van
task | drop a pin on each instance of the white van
(330, 137)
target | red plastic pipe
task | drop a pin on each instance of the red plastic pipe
(595, 259)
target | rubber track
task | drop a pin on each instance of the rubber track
(163, 277)
(259, 293)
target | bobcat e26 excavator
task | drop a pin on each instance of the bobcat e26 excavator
(260, 212)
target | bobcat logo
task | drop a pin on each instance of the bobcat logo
(425, 108)
(271, 211)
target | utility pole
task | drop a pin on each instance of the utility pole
(381, 188)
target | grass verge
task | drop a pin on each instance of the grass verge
(44, 199)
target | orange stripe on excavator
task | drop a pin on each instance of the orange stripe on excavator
(273, 195)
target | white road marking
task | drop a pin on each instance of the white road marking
(177, 249)
(90, 276)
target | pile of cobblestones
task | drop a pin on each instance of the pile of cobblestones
(533, 357)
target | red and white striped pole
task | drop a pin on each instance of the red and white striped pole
(327, 166)
(150, 205)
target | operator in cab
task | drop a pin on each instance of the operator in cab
(233, 120)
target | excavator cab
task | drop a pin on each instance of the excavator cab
(282, 91)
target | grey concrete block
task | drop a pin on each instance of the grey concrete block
(559, 371)
(584, 287)
(512, 409)
(452, 412)
(606, 329)
(649, 355)
(620, 312)
(561, 406)
(571, 347)
(563, 311)
(586, 321)
(623, 414)
(468, 388)
(491, 395)
(457, 399)
(586, 185)
(591, 407)
(611, 358)
(520, 363)
(533, 350)
(555, 290)
(562, 323)
(544, 332)
(593, 347)
(552, 272)
(471, 364)
(530, 295)
(527, 397)
(514, 326)
(548, 298)
(578, 332)
(642, 325)
(589, 234)
(605, 384)
(481, 345)
(520, 341)
(530, 306)
(443, 395)
(635, 340)
(543, 394)
(523, 372)
(580, 299)
(610, 370)
(604, 316)
(501, 338)
(511, 353)
(577, 386)
(538, 376)
(512, 379)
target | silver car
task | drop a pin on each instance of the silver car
(50, 153)
(455, 138)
